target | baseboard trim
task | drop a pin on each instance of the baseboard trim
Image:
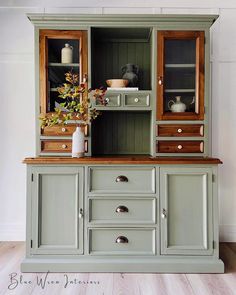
(12, 232)
(227, 233)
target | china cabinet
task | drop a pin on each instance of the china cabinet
(144, 198)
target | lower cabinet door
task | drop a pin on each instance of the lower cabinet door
(186, 211)
(57, 216)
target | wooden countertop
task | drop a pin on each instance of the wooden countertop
(122, 160)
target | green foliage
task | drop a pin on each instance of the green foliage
(77, 104)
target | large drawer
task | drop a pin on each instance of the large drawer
(180, 130)
(122, 241)
(180, 147)
(122, 180)
(126, 210)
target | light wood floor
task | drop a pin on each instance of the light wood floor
(11, 254)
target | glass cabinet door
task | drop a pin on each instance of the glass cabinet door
(180, 70)
(54, 64)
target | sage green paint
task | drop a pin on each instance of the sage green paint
(137, 100)
(140, 180)
(57, 196)
(141, 241)
(186, 196)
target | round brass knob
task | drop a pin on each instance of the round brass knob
(180, 130)
(136, 99)
(179, 147)
(122, 240)
(64, 146)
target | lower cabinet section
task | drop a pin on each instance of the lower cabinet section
(164, 218)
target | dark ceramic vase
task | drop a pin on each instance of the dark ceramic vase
(130, 73)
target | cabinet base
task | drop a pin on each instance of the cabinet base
(139, 265)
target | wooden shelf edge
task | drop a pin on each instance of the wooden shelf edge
(122, 160)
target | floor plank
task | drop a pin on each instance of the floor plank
(12, 253)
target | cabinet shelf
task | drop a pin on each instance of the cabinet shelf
(179, 90)
(180, 65)
(58, 64)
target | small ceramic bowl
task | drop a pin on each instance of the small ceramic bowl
(117, 83)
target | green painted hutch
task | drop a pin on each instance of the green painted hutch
(144, 198)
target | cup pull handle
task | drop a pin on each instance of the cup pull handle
(122, 240)
(122, 209)
(122, 178)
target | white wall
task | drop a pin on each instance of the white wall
(17, 95)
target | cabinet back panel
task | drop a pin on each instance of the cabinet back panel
(121, 133)
(109, 57)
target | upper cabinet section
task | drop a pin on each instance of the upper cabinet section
(60, 52)
(180, 71)
(121, 53)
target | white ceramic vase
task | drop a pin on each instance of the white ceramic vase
(67, 54)
(78, 143)
(177, 106)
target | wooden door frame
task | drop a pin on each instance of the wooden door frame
(199, 36)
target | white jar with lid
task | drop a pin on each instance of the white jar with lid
(67, 54)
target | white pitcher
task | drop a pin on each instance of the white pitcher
(178, 106)
(78, 143)
(67, 54)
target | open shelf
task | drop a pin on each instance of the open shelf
(68, 65)
(121, 133)
(113, 48)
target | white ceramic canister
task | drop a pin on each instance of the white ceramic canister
(67, 54)
(78, 143)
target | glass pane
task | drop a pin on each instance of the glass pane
(180, 75)
(57, 69)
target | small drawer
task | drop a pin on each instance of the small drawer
(112, 100)
(122, 180)
(180, 147)
(184, 130)
(59, 146)
(129, 210)
(122, 241)
(62, 130)
(137, 100)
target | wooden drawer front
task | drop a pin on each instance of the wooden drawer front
(122, 180)
(137, 100)
(180, 147)
(180, 130)
(122, 241)
(66, 130)
(59, 146)
(112, 99)
(126, 210)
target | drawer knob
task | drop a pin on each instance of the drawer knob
(122, 240)
(64, 146)
(107, 99)
(180, 130)
(122, 178)
(179, 147)
(163, 214)
(136, 99)
(63, 129)
(122, 209)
